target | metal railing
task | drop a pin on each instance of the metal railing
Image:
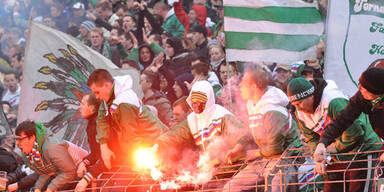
(122, 178)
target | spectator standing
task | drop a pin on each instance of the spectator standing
(57, 16)
(12, 94)
(171, 24)
(85, 32)
(78, 15)
(99, 44)
(199, 37)
(150, 83)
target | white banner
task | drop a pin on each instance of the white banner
(354, 39)
(55, 74)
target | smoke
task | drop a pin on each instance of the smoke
(198, 167)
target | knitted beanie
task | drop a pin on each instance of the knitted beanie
(299, 88)
(372, 80)
(197, 96)
(89, 25)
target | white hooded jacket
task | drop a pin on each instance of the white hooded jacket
(209, 123)
(124, 93)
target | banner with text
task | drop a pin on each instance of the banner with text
(354, 40)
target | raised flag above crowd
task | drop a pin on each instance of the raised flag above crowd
(354, 40)
(271, 30)
(56, 68)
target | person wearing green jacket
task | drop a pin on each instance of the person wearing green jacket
(272, 129)
(171, 23)
(122, 115)
(317, 104)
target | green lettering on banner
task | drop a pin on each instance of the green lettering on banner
(376, 49)
(376, 26)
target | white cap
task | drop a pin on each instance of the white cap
(78, 5)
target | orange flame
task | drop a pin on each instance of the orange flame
(145, 158)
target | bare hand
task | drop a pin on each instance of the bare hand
(320, 168)
(37, 190)
(381, 158)
(157, 62)
(134, 40)
(81, 169)
(81, 185)
(320, 153)
(12, 187)
(145, 38)
(106, 155)
(114, 40)
(91, 16)
(231, 154)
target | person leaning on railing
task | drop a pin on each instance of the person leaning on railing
(368, 100)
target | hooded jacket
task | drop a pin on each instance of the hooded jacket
(272, 127)
(328, 102)
(200, 10)
(209, 123)
(200, 129)
(58, 159)
(126, 116)
(178, 64)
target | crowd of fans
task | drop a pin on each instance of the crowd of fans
(191, 93)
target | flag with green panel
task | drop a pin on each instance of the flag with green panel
(271, 30)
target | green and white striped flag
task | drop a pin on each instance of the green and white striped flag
(271, 30)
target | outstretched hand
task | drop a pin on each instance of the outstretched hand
(106, 155)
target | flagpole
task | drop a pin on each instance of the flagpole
(27, 46)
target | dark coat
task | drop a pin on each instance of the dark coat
(356, 105)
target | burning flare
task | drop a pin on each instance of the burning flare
(145, 158)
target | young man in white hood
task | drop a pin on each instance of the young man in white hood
(123, 116)
(206, 122)
(272, 129)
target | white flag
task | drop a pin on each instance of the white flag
(55, 74)
(271, 30)
(355, 39)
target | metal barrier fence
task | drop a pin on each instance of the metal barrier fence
(292, 171)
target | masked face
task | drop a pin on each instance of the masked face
(198, 107)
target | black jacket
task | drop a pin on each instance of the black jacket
(8, 162)
(202, 50)
(356, 105)
(93, 145)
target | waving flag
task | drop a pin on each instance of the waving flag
(354, 40)
(55, 73)
(271, 30)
